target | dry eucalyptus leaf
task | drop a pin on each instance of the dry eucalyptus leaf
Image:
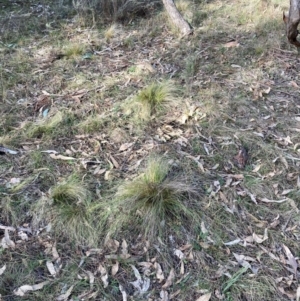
(265, 200)
(298, 294)
(66, 295)
(125, 146)
(123, 292)
(6, 242)
(259, 239)
(124, 247)
(2, 269)
(91, 278)
(61, 157)
(179, 254)
(51, 268)
(55, 255)
(291, 259)
(205, 297)
(140, 284)
(170, 279)
(114, 161)
(159, 273)
(164, 296)
(112, 244)
(22, 290)
(104, 276)
(115, 268)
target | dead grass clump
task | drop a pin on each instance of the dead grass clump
(153, 201)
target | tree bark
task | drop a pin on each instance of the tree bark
(292, 21)
(177, 18)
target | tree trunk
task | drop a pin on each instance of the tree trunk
(292, 21)
(177, 18)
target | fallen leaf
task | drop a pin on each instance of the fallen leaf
(298, 294)
(115, 268)
(259, 239)
(23, 235)
(241, 158)
(104, 276)
(295, 85)
(124, 246)
(140, 284)
(164, 296)
(175, 294)
(2, 269)
(91, 278)
(7, 227)
(54, 252)
(232, 44)
(170, 279)
(6, 242)
(291, 259)
(4, 150)
(114, 161)
(49, 151)
(123, 292)
(22, 290)
(61, 157)
(159, 273)
(112, 244)
(203, 228)
(205, 297)
(233, 242)
(66, 295)
(51, 268)
(286, 191)
(179, 254)
(265, 200)
(125, 146)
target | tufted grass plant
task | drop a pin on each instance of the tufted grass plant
(154, 99)
(153, 201)
(69, 210)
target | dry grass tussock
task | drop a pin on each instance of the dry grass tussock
(137, 165)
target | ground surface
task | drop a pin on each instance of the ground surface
(68, 86)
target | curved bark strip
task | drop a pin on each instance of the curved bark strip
(177, 18)
(291, 21)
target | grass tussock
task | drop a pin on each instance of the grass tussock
(74, 50)
(154, 99)
(156, 200)
(68, 210)
(46, 126)
(92, 124)
(110, 32)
